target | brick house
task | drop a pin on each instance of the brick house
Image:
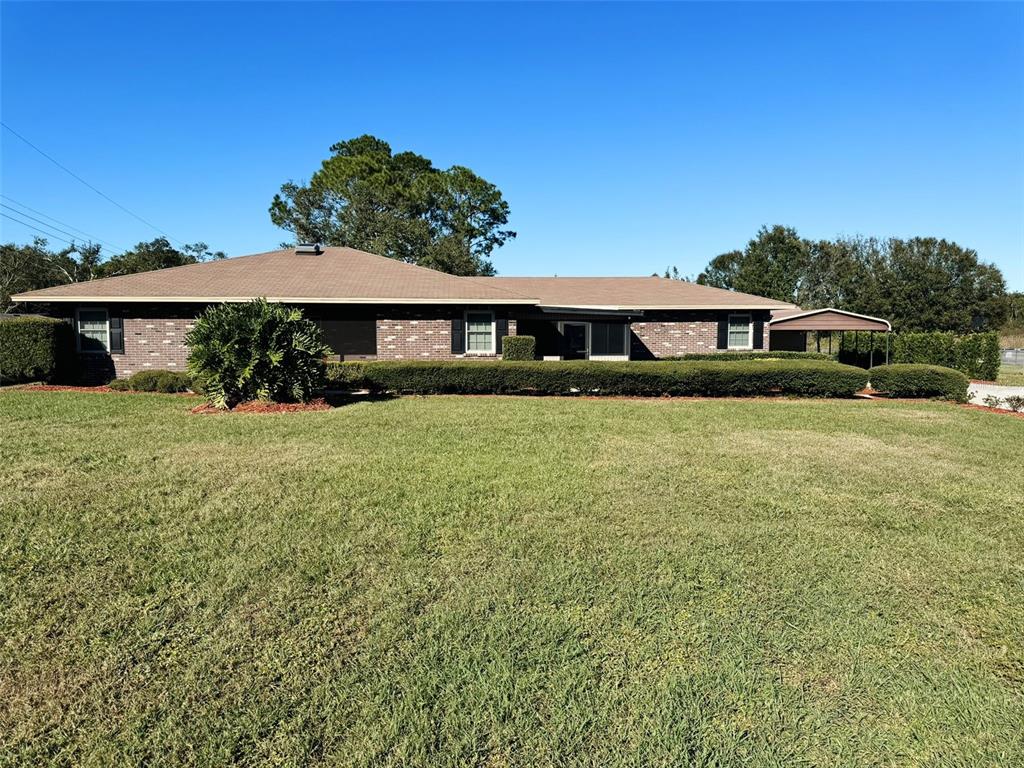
(372, 307)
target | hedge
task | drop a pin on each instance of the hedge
(34, 348)
(778, 355)
(154, 381)
(914, 380)
(519, 348)
(975, 354)
(813, 378)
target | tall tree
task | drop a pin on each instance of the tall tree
(923, 283)
(773, 264)
(398, 205)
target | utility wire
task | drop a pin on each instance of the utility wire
(90, 186)
(81, 232)
(37, 229)
(72, 235)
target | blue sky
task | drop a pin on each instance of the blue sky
(625, 137)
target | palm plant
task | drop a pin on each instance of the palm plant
(255, 351)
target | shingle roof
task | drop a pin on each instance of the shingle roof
(632, 293)
(342, 275)
(349, 276)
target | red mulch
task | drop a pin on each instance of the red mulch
(102, 389)
(66, 388)
(1000, 411)
(257, 406)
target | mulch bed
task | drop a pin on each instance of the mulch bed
(257, 406)
(101, 389)
(1000, 411)
(66, 388)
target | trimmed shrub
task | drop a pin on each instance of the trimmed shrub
(518, 348)
(975, 354)
(812, 378)
(912, 380)
(255, 351)
(34, 348)
(766, 355)
(168, 382)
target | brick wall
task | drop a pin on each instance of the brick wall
(153, 343)
(665, 334)
(422, 334)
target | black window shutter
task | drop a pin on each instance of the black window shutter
(501, 329)
(458, 337)
(723, 332)
(758, 333)
(116, 335)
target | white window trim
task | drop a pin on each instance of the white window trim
(750, 331)
(465, 332)
(78, 331)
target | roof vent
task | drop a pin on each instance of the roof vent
(308, 249)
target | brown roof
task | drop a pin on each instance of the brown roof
(632, 293)
(826, 319)
(338, 275)
(348, 276)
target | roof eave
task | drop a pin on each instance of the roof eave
(65, 299)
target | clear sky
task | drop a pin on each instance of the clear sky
(625, 137)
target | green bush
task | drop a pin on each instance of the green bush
(913, 380)
(519, 348)
(766, 355)
(255, 351)
(168, 382)
(35, 348)
(974, 354)
(814, 378)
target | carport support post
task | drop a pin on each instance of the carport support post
(871, 354)
(887, 347)
(817, 339)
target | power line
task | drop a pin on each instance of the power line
(56, 221)
(50, 226)
(37, 229)
(90, 186)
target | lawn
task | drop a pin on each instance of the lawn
(510, 581)
(1011, 374)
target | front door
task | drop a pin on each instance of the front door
(575, 341)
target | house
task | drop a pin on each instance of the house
(372, 307)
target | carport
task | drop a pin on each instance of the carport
(788, 328)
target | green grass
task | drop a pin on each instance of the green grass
(1011, 374)
(503, 581)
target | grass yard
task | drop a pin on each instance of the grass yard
(1011, 374)
(510, 581)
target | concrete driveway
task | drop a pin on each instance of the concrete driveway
(979, 390)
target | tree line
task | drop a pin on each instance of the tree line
(400, 205)
(918, 284)
(34, 266)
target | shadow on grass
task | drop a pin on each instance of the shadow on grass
(339, 399)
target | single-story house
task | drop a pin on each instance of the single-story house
(372, 307)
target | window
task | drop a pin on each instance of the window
(480, 333)
(740, 332)
(608, 339)
(93, 330)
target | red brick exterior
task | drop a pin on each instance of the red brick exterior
(154, 335)
(422, 335)
(668, 334)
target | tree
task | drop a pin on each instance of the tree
(773, 264)
(31, 267)
(397, 205)
(156, 254)
(919, 284)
